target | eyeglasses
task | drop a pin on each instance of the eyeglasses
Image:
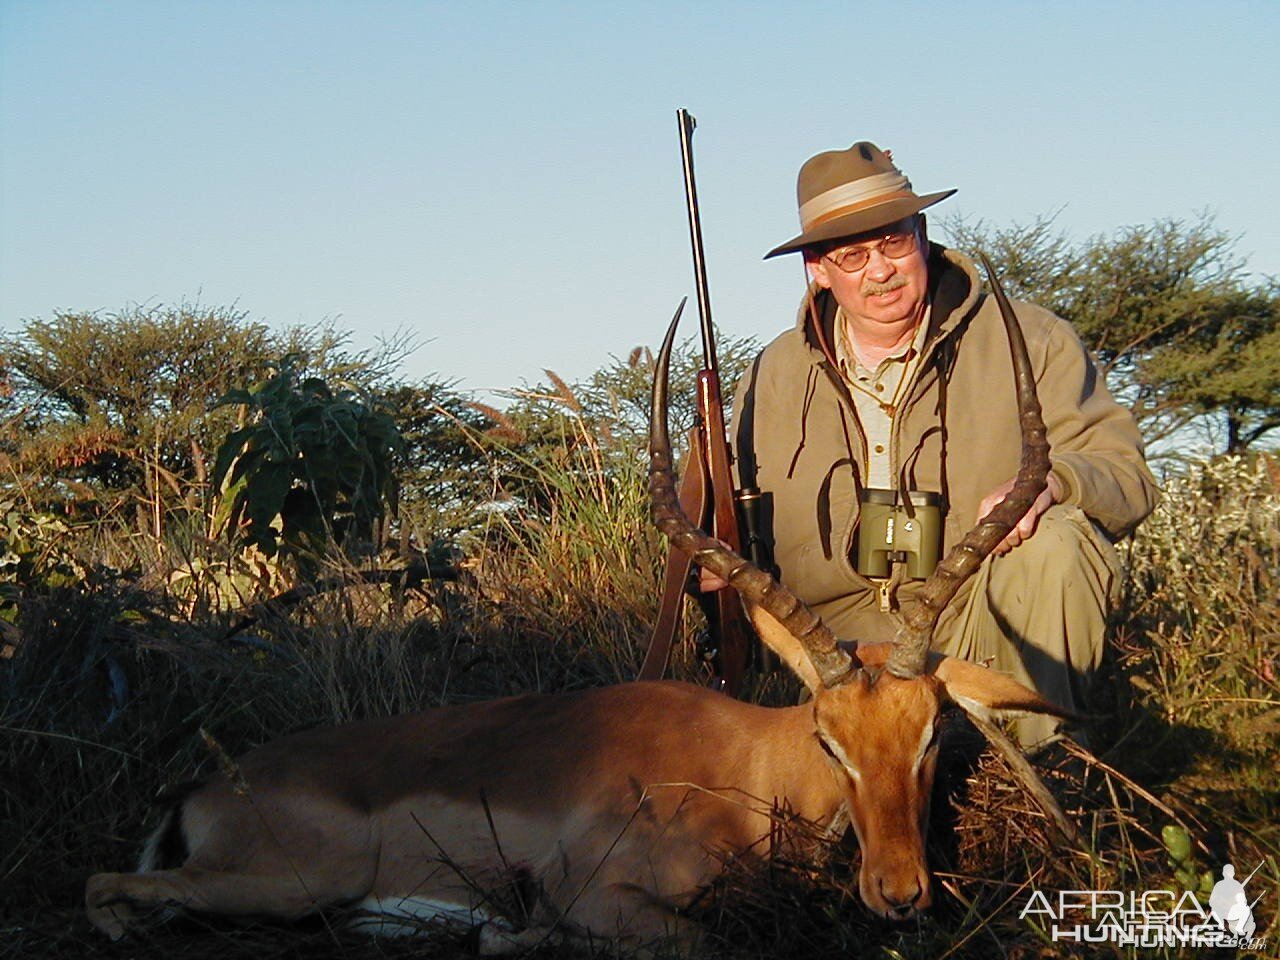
(853, 259)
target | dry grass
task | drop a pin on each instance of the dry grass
(105, 696)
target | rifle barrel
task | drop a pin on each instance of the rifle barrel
(687, 124)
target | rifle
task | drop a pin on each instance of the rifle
(706, 493)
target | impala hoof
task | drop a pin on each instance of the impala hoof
(108, 911)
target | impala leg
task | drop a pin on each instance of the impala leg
(112, 900)
(108, 912)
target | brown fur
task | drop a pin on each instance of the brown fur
(615, 805)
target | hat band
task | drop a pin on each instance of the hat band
(855, 207)
(855, 194)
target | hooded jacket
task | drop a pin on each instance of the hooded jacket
(956, 433)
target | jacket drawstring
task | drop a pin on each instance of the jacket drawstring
(810, 388)
(824, 506)
(946, 362)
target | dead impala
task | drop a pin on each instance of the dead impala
(610, 808)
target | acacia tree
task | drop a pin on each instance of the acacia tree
(117, 405)
(1230, 369)
(603, 420)
(448, 472)
(1181, 328)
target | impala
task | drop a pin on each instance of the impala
(604, 811)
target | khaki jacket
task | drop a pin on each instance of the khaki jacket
(797, 436)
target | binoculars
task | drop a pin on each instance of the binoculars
(889, 533)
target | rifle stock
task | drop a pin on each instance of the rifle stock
(730, 627)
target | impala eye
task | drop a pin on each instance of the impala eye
(832, 750)
(836, 753)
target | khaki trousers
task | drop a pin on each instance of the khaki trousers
(1039, 613)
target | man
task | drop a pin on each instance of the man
(897, 377)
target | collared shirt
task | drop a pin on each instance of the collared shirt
(877, 393)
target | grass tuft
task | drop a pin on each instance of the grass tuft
(112, 679)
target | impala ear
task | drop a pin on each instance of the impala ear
(784, 643)
(975, 687)
(979, 692)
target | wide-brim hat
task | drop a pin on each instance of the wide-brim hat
(846, 192)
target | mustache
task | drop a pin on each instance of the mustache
(871, 288)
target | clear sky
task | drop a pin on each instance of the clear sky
(501, 180)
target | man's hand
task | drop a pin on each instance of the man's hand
(708, 582)
(1025, 527)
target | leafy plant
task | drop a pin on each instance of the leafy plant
(313, 466)
(34, 549)
(1182, 859)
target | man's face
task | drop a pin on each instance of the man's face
(888, 289)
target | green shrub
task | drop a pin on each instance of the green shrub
(313, 466)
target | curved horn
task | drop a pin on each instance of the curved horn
(753, 584)
(914, 637)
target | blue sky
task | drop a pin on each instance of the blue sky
(501, 180)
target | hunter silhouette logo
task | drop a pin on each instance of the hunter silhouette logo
(1230, 904)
